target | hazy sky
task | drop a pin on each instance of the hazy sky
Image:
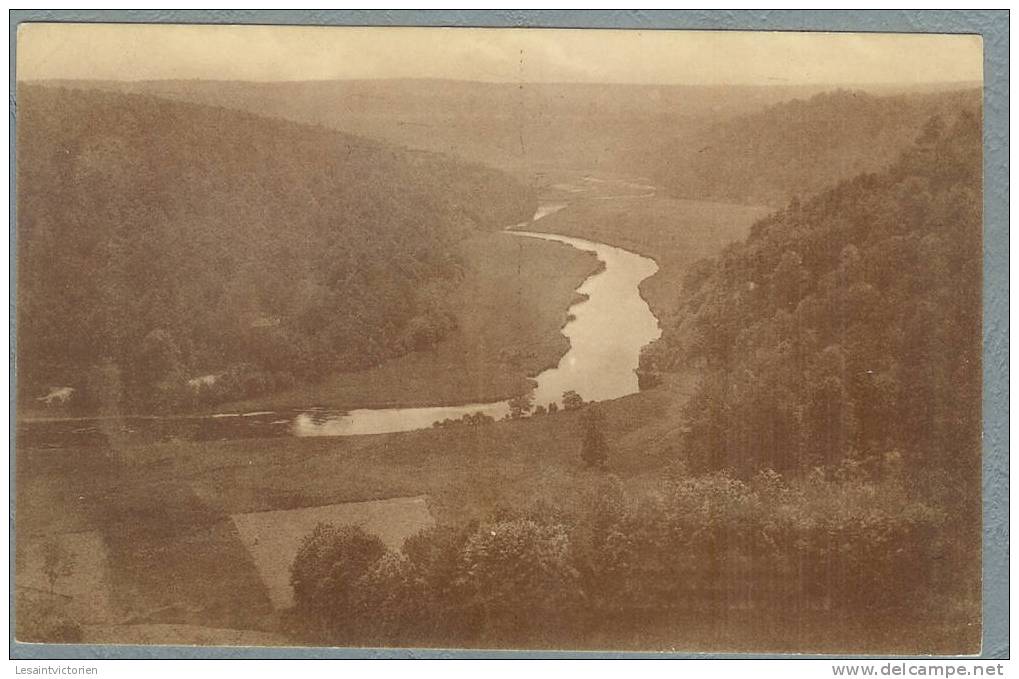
(139, 52)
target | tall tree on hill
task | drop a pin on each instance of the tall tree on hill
(594, 451)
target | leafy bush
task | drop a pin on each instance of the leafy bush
(469, 419)
(835, 541)
(521, 406)
(518, 579)
(326, 572)
(572, 400)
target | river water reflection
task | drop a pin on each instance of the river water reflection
(606, 330)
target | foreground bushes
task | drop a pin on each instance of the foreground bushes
(689, 547)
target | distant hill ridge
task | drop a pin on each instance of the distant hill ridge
(798, 147)
(531, 127)
(523, 127)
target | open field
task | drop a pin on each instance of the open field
(164, 511)
(273, 537)
(510, 309)
(466, 472)
(168, 556)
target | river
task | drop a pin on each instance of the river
(607, 330)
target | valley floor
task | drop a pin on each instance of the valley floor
(510, 309)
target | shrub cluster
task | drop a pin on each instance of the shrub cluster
(837, 542)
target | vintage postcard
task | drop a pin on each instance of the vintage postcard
(498, 338)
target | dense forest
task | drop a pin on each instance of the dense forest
(846, 329)
(171, 254)
(799, 147)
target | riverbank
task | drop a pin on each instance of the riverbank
(466, 471)
(510, 310)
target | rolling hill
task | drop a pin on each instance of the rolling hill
(161, 241)
(798, 147)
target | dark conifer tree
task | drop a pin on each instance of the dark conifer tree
(594, 451)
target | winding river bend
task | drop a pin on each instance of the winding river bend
(606, 330)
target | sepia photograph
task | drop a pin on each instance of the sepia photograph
(541, 339)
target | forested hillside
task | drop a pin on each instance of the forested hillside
(160, 242)
(845, 331)
(798, 147)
